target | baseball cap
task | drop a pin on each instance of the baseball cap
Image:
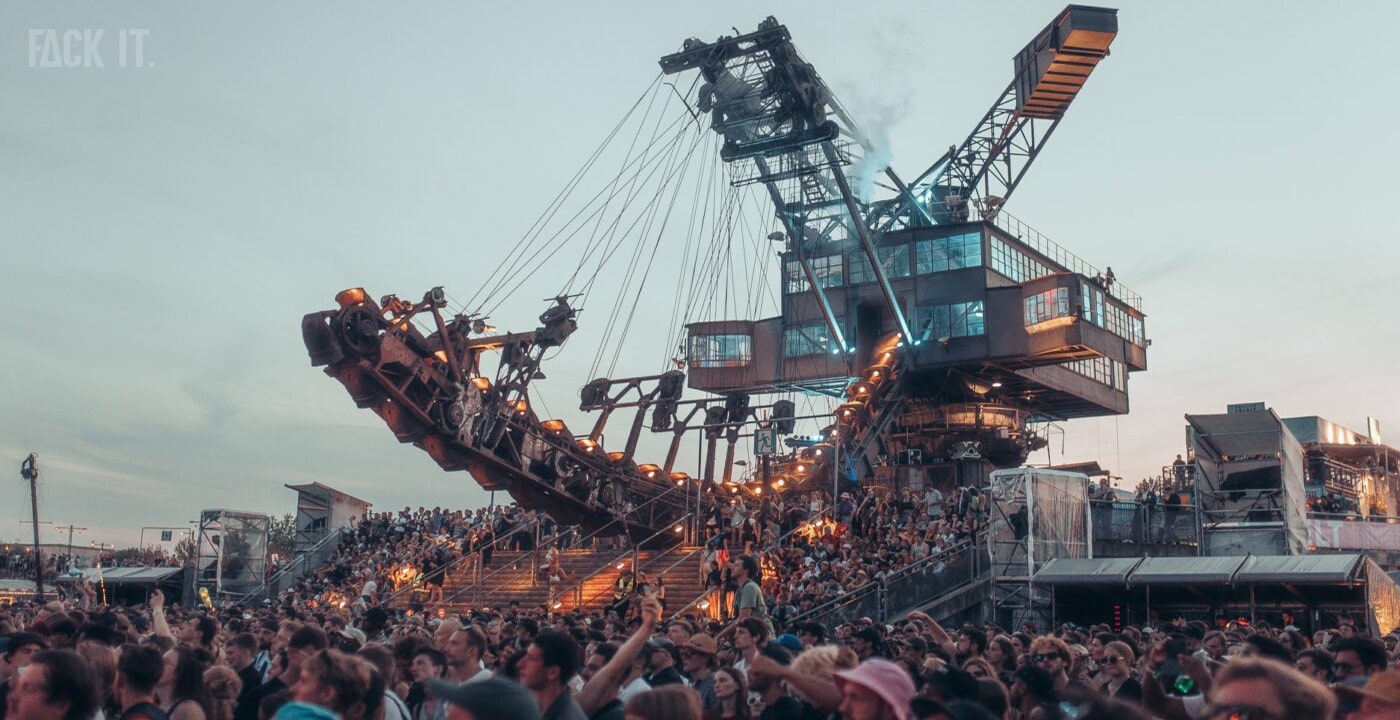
(355, 634)
(490, 699)
(789, 641)
(884, 678)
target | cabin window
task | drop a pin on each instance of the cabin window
(956, 320)
(808, 339)
(1008, 260)
(948, 253)
(715, 351)
(827, 269)
(1051, 304)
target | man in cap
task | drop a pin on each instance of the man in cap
(866, 642)
(662, 656)
(489, 699)
(875, 690)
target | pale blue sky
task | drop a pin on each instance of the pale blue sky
(167, 226)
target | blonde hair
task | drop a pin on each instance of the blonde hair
(223, 686)
(824, 660)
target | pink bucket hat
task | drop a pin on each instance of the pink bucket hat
(884, 678)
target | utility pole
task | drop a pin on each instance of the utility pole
(70, 530)
(29, 470)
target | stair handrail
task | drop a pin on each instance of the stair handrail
(611, 564)
(875, 585)
(408, 587)
(821, 512)
(301, 559)
(479, 583)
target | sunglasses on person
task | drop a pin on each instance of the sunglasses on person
(1113, 659)
(1042, 657)
(1237, 712)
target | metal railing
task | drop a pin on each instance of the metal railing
(314, 557)
(473, 554)
(820, 514)
(577, 586)
(480, 581)
(1142, 523)
(1032, 238)
(918, 584)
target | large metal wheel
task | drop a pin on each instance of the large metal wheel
(358, 329)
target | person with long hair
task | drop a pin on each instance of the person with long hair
(733, 692)
(1118, 681)
(222, 685)
(668, 702)
(181, 687)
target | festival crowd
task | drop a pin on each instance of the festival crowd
(291, 662)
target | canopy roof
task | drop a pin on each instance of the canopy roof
(128, 575)
(1100, 571)
(1230, 570)
(1250, 433)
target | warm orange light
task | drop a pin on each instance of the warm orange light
(588, 444)
(800, 469)
(616, 456)
(778, 485)
(481, 383)
(441, 355)
(649, 471)
(353, 296)
(554, 426)
(679, 478)
(521, 407)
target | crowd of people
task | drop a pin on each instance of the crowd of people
(392, 552)
(290, 662)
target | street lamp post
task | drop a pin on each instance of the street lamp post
(29, 470)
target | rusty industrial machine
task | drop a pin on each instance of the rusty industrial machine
(940, 328)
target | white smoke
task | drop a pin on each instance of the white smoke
(878, 119)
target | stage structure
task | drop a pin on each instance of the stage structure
(1249, 483)
(1037, 516)
(321, 510)
(232, 555)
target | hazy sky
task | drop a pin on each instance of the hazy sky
(166, 226)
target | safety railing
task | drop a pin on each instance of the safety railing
(1143, 523)
(467, 556)
(818, 515)
(481, 581)
(917, 584)
(314, 557)
(578, 585)
(1032, 238)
